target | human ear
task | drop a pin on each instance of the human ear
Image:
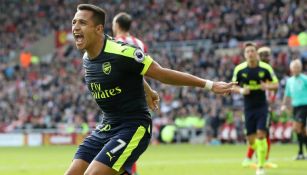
(99, 28)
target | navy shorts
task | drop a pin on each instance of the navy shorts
(116, 145)
(256, 119)
(300, 114)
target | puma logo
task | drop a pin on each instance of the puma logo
(110, 156)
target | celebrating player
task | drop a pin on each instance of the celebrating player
(114, 75)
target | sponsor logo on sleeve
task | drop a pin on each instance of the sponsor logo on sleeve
(139, 56)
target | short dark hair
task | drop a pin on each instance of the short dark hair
(99, 15)
(124, 21)
(247, 44)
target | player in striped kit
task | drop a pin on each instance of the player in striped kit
(121, 26)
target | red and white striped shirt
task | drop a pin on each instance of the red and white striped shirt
(133, 41)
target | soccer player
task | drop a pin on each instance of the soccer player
(296, 92)
(265, 56)
(114, 75)
(254, 78)
(121, 26)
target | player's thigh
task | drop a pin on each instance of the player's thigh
(125, 147)
(90, 147)
(250, 123)
(77, 167)
(262, 117)
(86, 152)
(98, 168)
(300, 115)
(304, 115)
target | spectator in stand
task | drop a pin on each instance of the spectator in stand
(216, 21)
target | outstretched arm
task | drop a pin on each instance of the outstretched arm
(174, 77)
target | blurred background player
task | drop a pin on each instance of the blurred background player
(254, 78)
(121, 32)
(265, 55)
(121, 26)
(296, 92)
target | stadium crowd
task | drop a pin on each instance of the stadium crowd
(51, 93)
(159, 20)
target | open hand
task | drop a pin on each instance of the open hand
(264, 85)
(222, 87)
(245, 91)
(152, 99)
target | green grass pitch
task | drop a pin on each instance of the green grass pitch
(182, 159)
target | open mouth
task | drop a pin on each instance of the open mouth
(79, 38)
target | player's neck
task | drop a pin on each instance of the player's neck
(122, 34)
(95, 50)
(297, 75)
(252, 64)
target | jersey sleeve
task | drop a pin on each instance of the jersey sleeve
(147, 62)
(134, 59)
(272, 75)
(235, 75)
(139, 62)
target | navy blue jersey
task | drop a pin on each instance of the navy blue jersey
(115, 80)
(252, 78)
